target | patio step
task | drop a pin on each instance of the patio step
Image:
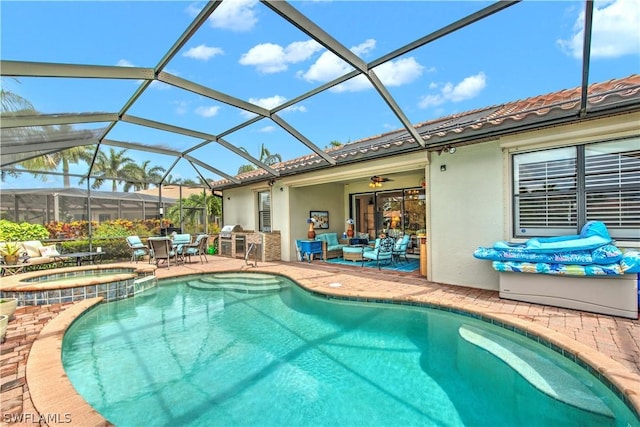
(540, 372)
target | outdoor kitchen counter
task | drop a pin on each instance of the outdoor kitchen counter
(267, 245)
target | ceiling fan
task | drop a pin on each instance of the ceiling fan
(376, 181)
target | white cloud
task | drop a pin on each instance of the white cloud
(364, 48)
(124, 63)
(235, 15)
(203, 52)
(207, 111)
(273, 102)
(329, 66)
(193, 9)
(614, 31)
(391, 73)
(181, 107)
(272, 58)
(267, 129)
(270, 102)
(468, 88)
(400, 72)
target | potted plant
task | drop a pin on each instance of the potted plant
(10, 251)
(350, 223)
(311, 233)
(4, 322)
(8, 306)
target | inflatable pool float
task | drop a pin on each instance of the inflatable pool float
(590, 253)
(593, 235)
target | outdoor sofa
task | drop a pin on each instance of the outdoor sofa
(36, 252)
(331, 245)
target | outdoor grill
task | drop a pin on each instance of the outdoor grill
(225, 232)
(225, 238)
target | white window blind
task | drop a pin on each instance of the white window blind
(556, 191)
(264, 211)
(612, 186)
(546, 192)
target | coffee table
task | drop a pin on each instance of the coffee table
(78, 257)
(11, 269)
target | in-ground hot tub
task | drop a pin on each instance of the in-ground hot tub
(111, 282)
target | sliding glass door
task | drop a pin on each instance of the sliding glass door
(393, 212)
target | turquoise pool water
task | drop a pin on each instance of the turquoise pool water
(267, 353)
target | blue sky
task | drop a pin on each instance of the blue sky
(249, 52)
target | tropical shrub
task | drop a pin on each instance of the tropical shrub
(11, 231)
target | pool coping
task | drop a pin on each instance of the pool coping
(20, 283)
(55, 393)
(51, 391)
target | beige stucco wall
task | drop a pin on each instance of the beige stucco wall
(239, 206)
(321, 197)
(465, 211)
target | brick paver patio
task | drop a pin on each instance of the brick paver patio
(610, 344)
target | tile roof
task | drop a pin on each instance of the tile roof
(609, 97)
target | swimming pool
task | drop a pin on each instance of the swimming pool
(206, 351)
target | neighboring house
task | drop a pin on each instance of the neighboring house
(42, 205)
(542, 166)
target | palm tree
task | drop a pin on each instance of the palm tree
(64, 158)
(265, 157)
(141, 175)
(11, 102)
(170, 180)
(110, 167)
(194, 204)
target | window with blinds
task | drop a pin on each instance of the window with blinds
(557, 191)
(264, 211)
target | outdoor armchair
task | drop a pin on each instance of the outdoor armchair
(382, 252)
(138, 249)
(400, 248)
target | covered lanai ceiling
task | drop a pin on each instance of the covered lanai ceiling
(363, 95)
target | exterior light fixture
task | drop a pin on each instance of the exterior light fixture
(447, 149)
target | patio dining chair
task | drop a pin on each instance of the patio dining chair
(161, 250)
(383, 251)
(138, 249)
(198, 247)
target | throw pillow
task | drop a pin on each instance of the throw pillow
(32, 247)
(50, 250)
(332, 239)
